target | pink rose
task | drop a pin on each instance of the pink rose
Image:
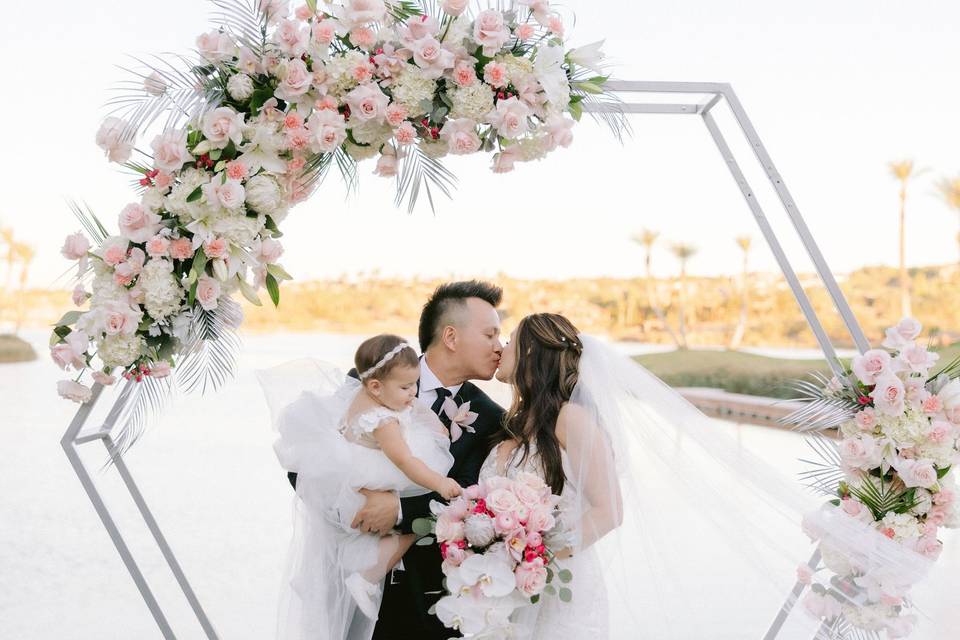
(116, 144)
(944, 497)
(861, 452)
(539, 519)
(114, 250)
(531, 577)
(75, 246)
(916, 473)
(137, 223)
(216, 46)
(229, 194)
(905, 332)
(524, 32)
(502, 501)
(222, 126)
(937, 516)
(396, 114)
(454, 7)
(804, 574)
(888, 395)
(208, 292)
(122, 319)
(170, 150)
(323, 32)
(70, 352)
(939, 431)
(560, 130)
(181, 249)
(386, 165)
(103, 379)
(866, 419)
(418, 28)
(928, 546)
(490, 31)
(367, 102)
(495, 74)
(432, 57)
(296, 81)
(510, 119)
(870, 365)
(361, 12)
(270, 250)
(79, 295)
(405, 134)
(851, 507)
(160, 369)
(328, 130)
(555, 25)
(158, 247)
(474, 492)
(464, 75)
(461, 136)
(504, 161)
(74, 391)
(292, 38)
(932, 405)
(917, 359)
(216, 248)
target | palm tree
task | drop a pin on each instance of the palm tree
(904, 171)
(950, 192)
(648, 238)
(744, 242)
(683, 253)
(25, 255)
(6, 238)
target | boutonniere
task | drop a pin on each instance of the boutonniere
(460, 418)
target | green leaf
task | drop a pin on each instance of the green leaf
(566, 576)
(193, 294)
(535, 599)
(195, 194)
(259, 96)
(576, 110)
(589, 87)
(425, 542)
(249, 292)
(566, 595)
(273, 288)
(69, 318)
(422, 526)
(215, 154)
(270, 224)
(59, 334)
(278, 272)
(942, 472)
(312, 5)
(199, 262)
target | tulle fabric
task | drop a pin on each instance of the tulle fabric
(693, 536)
(309, 401)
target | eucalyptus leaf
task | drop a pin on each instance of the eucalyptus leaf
(422, 526)
(566, 595)
(565, 576)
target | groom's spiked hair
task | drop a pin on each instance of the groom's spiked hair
(449, 296)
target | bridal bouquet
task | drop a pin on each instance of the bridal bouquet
(252, 125)
(498, 543)
(891, 471)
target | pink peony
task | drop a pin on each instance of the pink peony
(75, 246)
(137, 223)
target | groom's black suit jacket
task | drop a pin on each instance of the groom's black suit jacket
(409, 594)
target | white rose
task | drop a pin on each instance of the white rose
(240, 87)
(229, 194)
(111, 138)
(222, 126)
(263, 194)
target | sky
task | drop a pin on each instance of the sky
(836, 90)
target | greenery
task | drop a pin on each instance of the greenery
(14, 349)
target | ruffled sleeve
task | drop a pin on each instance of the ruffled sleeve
(370, 421)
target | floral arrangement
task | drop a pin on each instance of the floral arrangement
(254, 124)
(892, 471)
(499, 543)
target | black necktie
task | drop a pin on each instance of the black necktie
(442, 394)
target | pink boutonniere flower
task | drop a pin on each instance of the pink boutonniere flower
(460, 418)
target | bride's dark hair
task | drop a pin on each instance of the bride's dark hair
(545, 372)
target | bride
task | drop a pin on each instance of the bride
(677, 532)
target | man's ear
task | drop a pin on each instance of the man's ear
(449, 337)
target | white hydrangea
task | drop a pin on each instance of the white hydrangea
(473, 102)
(240, 230)
(533, 148)
(264, 194)
(371, 132)
(240, 87)
(339, 70)
(360, 153)
(903, 525)
(459, 30)
(411, 89)
(162, 293)
(437, 149)
(120, 350)
(836, 561)
(871, 617)
(906, 430)
(516, 67)
(152, 199)
(176, 203)
(849, 429)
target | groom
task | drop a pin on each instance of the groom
(460, 340)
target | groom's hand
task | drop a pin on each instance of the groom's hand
(379, 513)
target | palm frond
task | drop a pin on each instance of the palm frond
(138, 404)
(821, 410)
(605, 108)
(210, 356)
(418, 169)
(315, 170)
(884, 498)
(951, 370)
(91, 224)
(348, 170)
(824, 475)
(244, 20)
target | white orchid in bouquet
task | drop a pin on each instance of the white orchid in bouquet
(274, 99)
(898, 424)
(499, 543)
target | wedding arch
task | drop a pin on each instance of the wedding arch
(222, 141)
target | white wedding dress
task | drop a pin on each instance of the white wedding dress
(586, 615)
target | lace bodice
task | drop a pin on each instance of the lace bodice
(359, 429)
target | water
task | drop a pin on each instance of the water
(209, 475)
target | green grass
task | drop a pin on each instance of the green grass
(14, 349)
(739, 372)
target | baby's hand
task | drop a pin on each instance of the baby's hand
(449, 489)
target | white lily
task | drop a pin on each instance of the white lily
(589, 56)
